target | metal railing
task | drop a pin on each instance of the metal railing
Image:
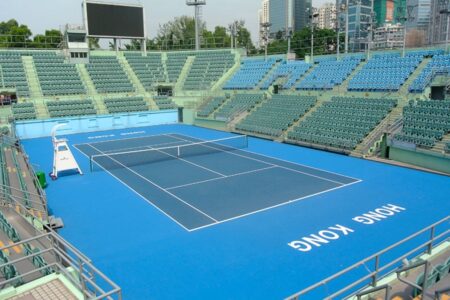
(90, 281)
(379, 270)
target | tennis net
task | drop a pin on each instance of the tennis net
(127, 159)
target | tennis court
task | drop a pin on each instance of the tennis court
(200, 183)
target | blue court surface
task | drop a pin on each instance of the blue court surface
(223, 224)
(211, 182)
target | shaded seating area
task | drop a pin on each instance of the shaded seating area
(125, 104)
(238, 104)
(277, 114)
(70, 108)
(251, 72)
(175, 63)
(425, 123)
(149, 69)
(164, 102)
(208, 68)
(24, 111)
(12, 73)
(343, 122)
(57, 77)
(211, 106)
(108, 76)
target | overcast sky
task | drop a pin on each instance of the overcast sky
(45, 14)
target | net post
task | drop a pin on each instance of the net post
(91, 167)
(178, 151)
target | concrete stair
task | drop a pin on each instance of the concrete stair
(41, 110)
(86, 79)
(131, 75)
(184, 73)
(440, 146)
(320, 101)
(227, 76)
(99, 104)
(271, 71)
(404, 89)
(32, 77)
(303, 77)
(164, 59)
(344, 86)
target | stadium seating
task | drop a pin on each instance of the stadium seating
(291, 71)
(12, 73)
(447, 147)
(24, 111)
(324, 58)
(125, 105)
(328, 74)
(425, 122)
(384, 73)
(207, 68)
(55, 76)
(342, 122)
(238, 104)
(70, 108)
(211, 106)
(277, 114)
(425, 53)
(108, 75)
(252, 71)
(164, 102)
(439, 65)
(175, 63)
(149, 69)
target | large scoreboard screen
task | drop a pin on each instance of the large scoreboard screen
(114, 20)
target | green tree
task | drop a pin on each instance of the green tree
(243, 36)
(221, 37)
(51, 39)
(178, 33)
(93, 43)
(15, 35)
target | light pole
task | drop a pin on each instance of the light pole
(312, 16)
(266, 27)
(404, 35)
(289, 37)
(346, 27)
(446, 12)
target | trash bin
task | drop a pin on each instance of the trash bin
(42, 180)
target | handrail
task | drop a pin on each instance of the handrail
(374, 256)
(62, 250)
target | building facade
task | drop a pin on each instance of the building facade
(438, 24)
(389, 36)
(263, 17)
(286, 14)
(389, 11)
(418, 15)
(327, 18)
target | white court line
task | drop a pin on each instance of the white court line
(138, 147)
(214, 179)
(267, 163)
(140, 195)
(131, 138)
(280, 159)
(271, 207)
(186, 161)
(159, 187)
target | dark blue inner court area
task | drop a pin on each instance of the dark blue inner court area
(127, 219)
(212, 182)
